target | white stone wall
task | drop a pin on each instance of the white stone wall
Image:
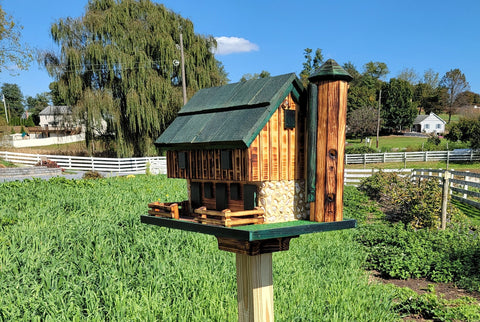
(283, 200)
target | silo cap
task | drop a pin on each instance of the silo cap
(330, 70)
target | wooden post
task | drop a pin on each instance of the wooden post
(254, 275)
(332, 84)
(255, 287)
(446, 183)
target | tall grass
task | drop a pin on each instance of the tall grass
(76, 250)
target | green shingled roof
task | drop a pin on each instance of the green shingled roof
(330, 70)
(229, 116)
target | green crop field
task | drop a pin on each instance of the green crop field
(76, 250)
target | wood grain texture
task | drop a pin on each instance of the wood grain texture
(254, 288)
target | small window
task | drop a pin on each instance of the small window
(208, 190)
(289, 119)
(182, 160)
(439, 126)
(427, 126)
(235, 191)
(196, 194)
(221, 197)
(249, 197)
(226, 160)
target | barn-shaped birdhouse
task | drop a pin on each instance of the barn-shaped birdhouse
(243, 149)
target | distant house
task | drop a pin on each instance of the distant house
(431, 123)
(56, 117)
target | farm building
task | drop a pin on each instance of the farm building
(243, 147)
(431, 123)
(55, 117)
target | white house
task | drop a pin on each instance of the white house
(55, 117)
(429, 124)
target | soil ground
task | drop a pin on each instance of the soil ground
(448, 291)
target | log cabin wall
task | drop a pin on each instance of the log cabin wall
(207, 165)
(278, 153)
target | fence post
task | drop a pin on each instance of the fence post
(364, 160)
(404, 160)
(465, 186)
(446, 188)
(93, 163)
(426, 156)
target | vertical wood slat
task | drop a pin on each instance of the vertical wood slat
(264, 139)
(342, 122)
(292, 144)
(254, 152)
(274, 153)
(331, 152)
(284, 149)
(318, 214)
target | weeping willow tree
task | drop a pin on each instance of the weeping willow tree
(116, 66)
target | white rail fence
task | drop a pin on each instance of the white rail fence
(353, 177)
(448, 156)
(156, 165)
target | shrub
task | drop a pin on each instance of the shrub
(359, 149)
(92, 175)
(418, 203)
(47, 163)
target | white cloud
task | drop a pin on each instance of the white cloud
(230, 45)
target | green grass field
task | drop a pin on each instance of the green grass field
(387, 143)
(76, 250)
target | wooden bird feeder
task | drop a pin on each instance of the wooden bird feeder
(263, 160)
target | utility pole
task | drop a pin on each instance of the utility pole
(5, 106)
(184, 84)
(378, 116)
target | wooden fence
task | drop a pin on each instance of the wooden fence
(463, 186)
(448, 156)
(156, 165)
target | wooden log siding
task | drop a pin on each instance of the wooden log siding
(278, 153)
(205, 165)
(275, 154)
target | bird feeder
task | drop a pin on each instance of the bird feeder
(263, 160)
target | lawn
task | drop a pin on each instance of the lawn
(76, 250)
(393, 143)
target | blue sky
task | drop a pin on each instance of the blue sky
(272, 35)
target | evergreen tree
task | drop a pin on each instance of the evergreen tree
(116, 64)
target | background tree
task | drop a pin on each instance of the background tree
(54, 94)
(36, 104)
(310, 64)
(466, 130)
(377, 70)
(467, 98)
(116, 64)
(14, 100)
(362, 122)
(409, 75)
(455, 83)
(398, 108)
(263, 74)
(12, 52)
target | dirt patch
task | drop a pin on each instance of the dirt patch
(447, 291)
